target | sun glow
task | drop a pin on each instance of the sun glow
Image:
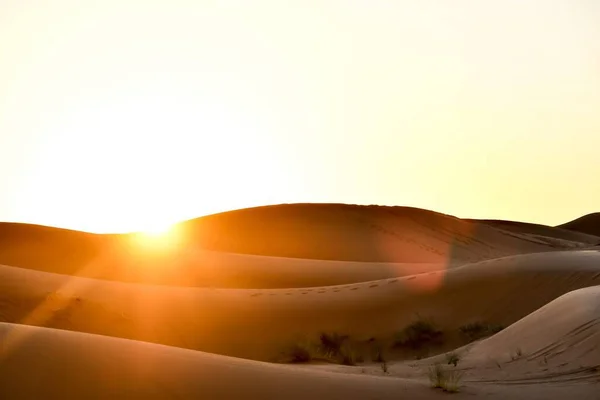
(158, 230)
(158, 237)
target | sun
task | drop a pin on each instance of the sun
(158, 230)
(157, 238)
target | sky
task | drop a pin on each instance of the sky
(132, 114)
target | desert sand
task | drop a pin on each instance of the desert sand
(220, 312)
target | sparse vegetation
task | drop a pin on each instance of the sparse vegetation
(348, 356)
(452, 359)
(447, 379)
(330, 347)
(419, 334)
(331, 343)
(302, 352)
(479, 330)
(436, 375)
(379, 355)
(384, 367)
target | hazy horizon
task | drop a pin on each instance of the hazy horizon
(123, 116)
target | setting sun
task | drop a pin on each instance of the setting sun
(158, 230)
(158, 238)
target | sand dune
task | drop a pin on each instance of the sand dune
(558, 343)
(74, 365)
(358, 233)
(112, 316)
(205, 268)
(589, 224)
(563, 337)
(316, 231)
(49, 363)
(546, 233)
(233, 321)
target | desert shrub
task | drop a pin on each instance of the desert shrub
(478, 330)
(301, 352)
(384, 367)
(331, 343)
(453, 381)
(330, 348)
(348, 356)
(418, 334)
(452, 358)
(359, 358)
(378, 354)
(449, 380)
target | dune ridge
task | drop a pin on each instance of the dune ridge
(588, 224)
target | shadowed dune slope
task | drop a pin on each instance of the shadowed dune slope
(358, 233)
(45, 363)
(75, 365)
(333, 232)
(260, 323)
(589, 224)
(543, 232)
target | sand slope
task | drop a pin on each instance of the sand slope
(315, 231)
(545, 233)
(589, 224)
(359, 233)
(558, 343)
(259, 323)
(205, 268)
(563, 337)
(45, 363)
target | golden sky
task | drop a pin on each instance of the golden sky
(125, 115)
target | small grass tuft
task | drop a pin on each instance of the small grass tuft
(436, 376)
(452, 358)
(384, 367)
(449, 380)
(379, 355)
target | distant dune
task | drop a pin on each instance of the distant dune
(359, 233)
(589, 224)
(220, 313)
(544, 232)
(388, 241)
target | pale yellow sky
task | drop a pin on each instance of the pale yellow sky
(123, 115)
